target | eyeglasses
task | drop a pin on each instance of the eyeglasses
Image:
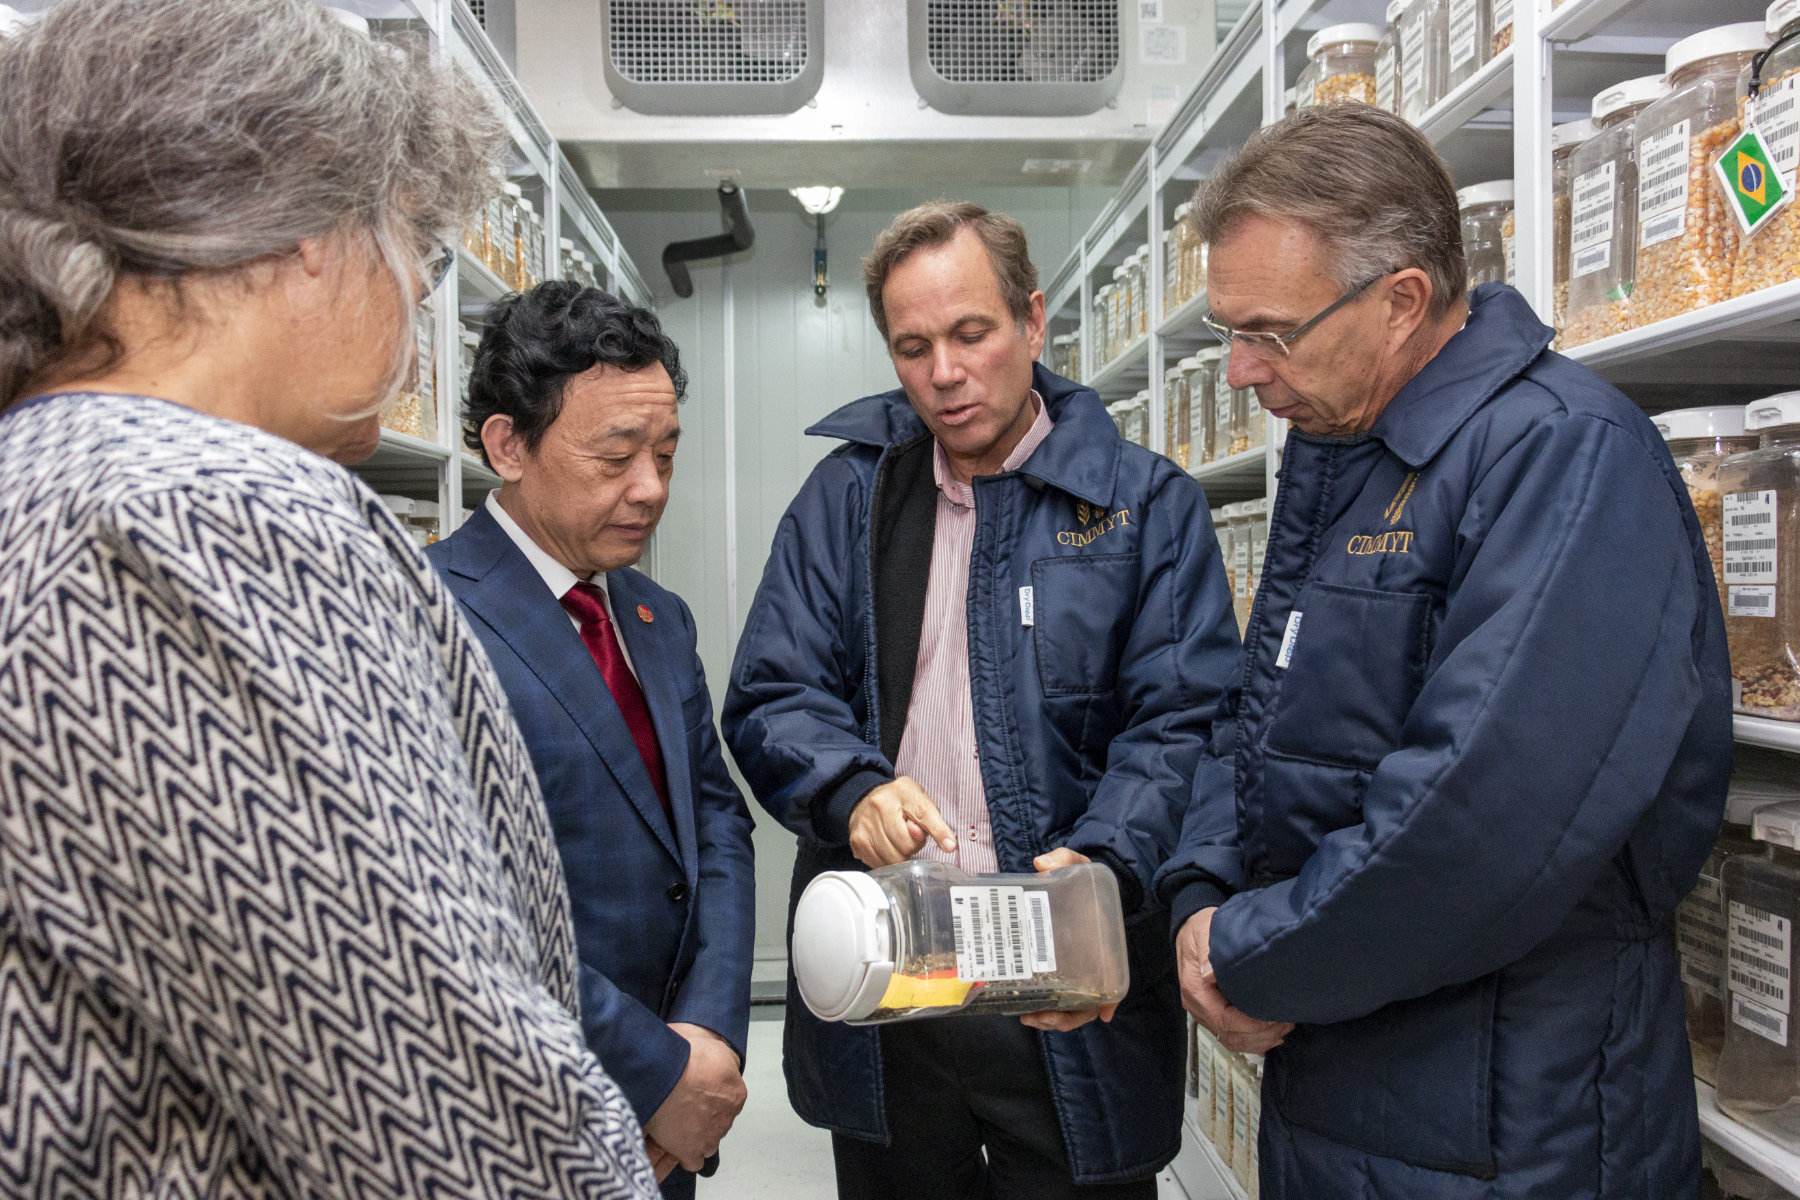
(435, 268)
(1268, 346)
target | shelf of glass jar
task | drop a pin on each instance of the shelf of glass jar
(1124, 373)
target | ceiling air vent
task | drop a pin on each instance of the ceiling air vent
(1015, 58)
(711, 58)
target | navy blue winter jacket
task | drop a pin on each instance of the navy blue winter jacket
(1447, 825)
(1089, 721)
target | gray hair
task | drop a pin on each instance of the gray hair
(1364, 181)
(167, 139)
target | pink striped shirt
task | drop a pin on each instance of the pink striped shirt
(938, 747)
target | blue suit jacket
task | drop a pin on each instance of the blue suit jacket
(664, 917)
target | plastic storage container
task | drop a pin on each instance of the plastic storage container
(1241, 574)
(1485, 208)
(1257, 511)
(1699, 440)
(1222, 529)
(1760, 511)
(1202, 372)
(1687, 237)
(1387, 60)
(1342, 61)
(1565, 139)
(1140, 291)
(1101, 333)
(1759, 1066)
(1603, 216)
(1224, 404)
(1772, 254)
(1422, 33)
(1137, 419)
(470, 343)
(1172, 281)
(923, 939)
(1243, 407)
(1063, 353)
(1176, 416)
(1500, 26)
(1701, 929)
(1467, 41)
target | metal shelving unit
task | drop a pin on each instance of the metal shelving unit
(1497, 123)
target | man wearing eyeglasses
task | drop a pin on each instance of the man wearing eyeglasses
(1478, 747)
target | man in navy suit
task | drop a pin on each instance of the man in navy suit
(573, 403)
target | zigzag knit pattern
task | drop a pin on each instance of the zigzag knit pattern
(280, 910)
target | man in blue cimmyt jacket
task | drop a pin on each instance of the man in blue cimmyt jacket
(993, 633)
(1479, 745)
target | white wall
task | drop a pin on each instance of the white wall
(793, 359)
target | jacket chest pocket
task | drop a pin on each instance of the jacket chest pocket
(1355, 661)
(1082, 615)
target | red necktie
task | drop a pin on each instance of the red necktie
(587, 604)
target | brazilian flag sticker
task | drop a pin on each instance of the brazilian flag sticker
(1747, 172)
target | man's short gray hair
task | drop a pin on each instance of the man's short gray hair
(173, 138)
(1364, 181)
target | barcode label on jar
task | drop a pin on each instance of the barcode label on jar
(1384, 81)
(1591, 221)
(1760, 949)
(1750, 600)
(1462, 32)
(1663, 185)
(1412, 62)
(1701, 933)
(997, 933)
(1778, 120)
(1764, 1022)
(1750, 551)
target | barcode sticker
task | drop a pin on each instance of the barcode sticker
(1760, 951)
(1750, 600)
(1777, 118)
(1043, 934)
(1750, 551)
(1760, 1020)
(996, 933)
(1463, 22)
(1663, 185)
(1701, 934)
(1591, 221)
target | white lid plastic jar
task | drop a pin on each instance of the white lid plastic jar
(1759, 1065)
(1772, 254)
(1119, 321)
(1342, 59)
(1565, 139)
(1221, 517)
(1171, 280)
(1102, 334)
(1137, 419)
(1387, 60)
(1484, 208)
(1687, 237)
(1468, 41)
(1500, 26)
(1760, 514)
(1202, 371)
(1603, 214)
(925, 939)
(1423, 31)
(1239, 515)
(1176, 416)
(1140, 289)
(1699, 440)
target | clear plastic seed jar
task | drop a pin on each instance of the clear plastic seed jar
(1342, 59)
(1246, 1114)
(1223, 402)
(1062, 354)
(1258, 513)
(471, 342)
(1687, 237)
(1242, 579)
(1468, 42)
(531, 246)
(1205, 1048)
(925, 939)
(1100, 333)
(1137, 419)
(1116, 410)
(1699, 440)
(1701, 928)
(1221, 519)
(1772, 254)
(1603, 213)
(1485, 207)
(1759, 1064)
(1140, 290)
(1290, 101)
(1565, 139)
(1121, 320)
(1500, 25)
(1760, 512)
(1176, 416)
(1202, 373)
(1422, 41)
(1172, 296)
(1387, 60)
(1304, 84)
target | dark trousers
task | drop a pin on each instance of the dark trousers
(971, 1118)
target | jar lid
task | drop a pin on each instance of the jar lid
(1172, 374)
(1355, 31)
(1630, 94)
(1394, 9)
(1743, 37)
(1781, 14)
(425, 509)
(1573, 133)
(841, 951)
(1120, 271)
(1142, 251)
(1233, 511)
(1777, 823)
(400, 506)
(343, 16)
(513, 190)
(1187, 206)
(1189, 364)
(1287, 98)
(1747, 798)
(1256, 508)
(1063, 339)
(1771, 411)
(567, 245)
(1499, 191)
(470, 339)
(1103, 289)
(1726, 421)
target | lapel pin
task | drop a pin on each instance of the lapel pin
(645, 615)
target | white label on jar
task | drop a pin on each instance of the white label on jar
(1222, 1107)
(1042, 933)
(1196, 423)
(1384, 80)
(1240, 1125)
(1222, 418)
(1762, 1021)
(1749, 520)
(1591, 221)
(1663, 185)
(1778, 120)
(1756, 600)
(1502, 14)
(1512, 258)
(1412, 63)
(1463, 15)
(996, 933)
(1701, 933)
(1761, 949)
